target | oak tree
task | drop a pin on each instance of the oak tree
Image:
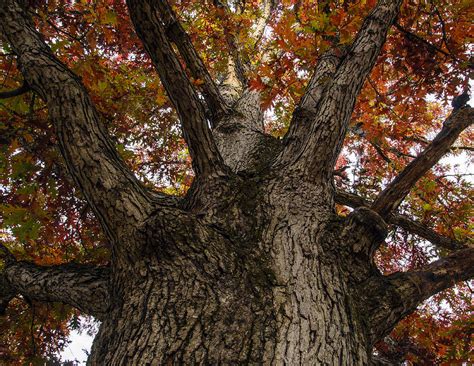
(236, 182)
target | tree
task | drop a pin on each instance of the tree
(260, 260)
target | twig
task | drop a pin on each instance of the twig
(414, 36)
(25, 88)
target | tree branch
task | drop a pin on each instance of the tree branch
(425, 232)
(116, 196)
(443, 29)
(149, 26)
(411, 226)
(307, 108)
(414, 37)
(387, 299)
(269, 7)
(391, 197)
(235, 81)
(81, 286)
(180, 38)
(14, 93)
(328, 127)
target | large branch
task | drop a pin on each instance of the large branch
(81, 286)
(181, 39)
(112, 190)
(328, 128)
(409, 225)
(307, 108)
(150, 28)
(235, 81)
(391, 197)
(387, 299)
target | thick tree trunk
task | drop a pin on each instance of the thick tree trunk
(181, 320)
(257, 281)
(188, 315)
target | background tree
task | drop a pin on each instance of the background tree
(298, 215)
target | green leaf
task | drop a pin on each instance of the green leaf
(427, 207)
(111, 18)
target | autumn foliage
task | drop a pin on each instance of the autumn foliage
(425, 62)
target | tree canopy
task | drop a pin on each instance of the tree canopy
(405, 101)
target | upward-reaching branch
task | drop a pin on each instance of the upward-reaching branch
(328, 127)
(150, 27)
(269, 7)
(112, 190)
(235, 81)
(180, 38)
(397, 190)
(308, 106)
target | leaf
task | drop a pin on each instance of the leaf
(257, 84)
(111, 18)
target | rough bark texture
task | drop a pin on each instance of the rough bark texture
(257, 281)
(253, 266)
(84, 287)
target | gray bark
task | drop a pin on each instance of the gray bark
(256, 281)
(84, 287)
(253, 266)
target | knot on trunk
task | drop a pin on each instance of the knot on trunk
(368, 224)
(372, 221)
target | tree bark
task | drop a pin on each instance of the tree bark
(255, 282)
(84, 287)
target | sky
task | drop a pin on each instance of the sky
(78, 348)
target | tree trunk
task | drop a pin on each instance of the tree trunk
(258, 279)
(273, 300)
